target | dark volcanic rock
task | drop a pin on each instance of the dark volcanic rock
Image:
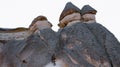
(9, 53)
(78, 45)
(39, 49)
(81, 45)
(108, 41)
(35, 51)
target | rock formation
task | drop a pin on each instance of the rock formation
(34, 51)
(87, 43)
(80, 42)
(69, 14)
(13, 34)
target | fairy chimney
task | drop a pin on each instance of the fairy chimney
(69, 14)
(39, 23)
(88, 14)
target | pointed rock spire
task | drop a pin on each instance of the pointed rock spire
(88, 9)
(69, 9)
(39, 18)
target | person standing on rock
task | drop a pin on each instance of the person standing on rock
(104, 37)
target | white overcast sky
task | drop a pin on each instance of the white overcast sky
(20, 13)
